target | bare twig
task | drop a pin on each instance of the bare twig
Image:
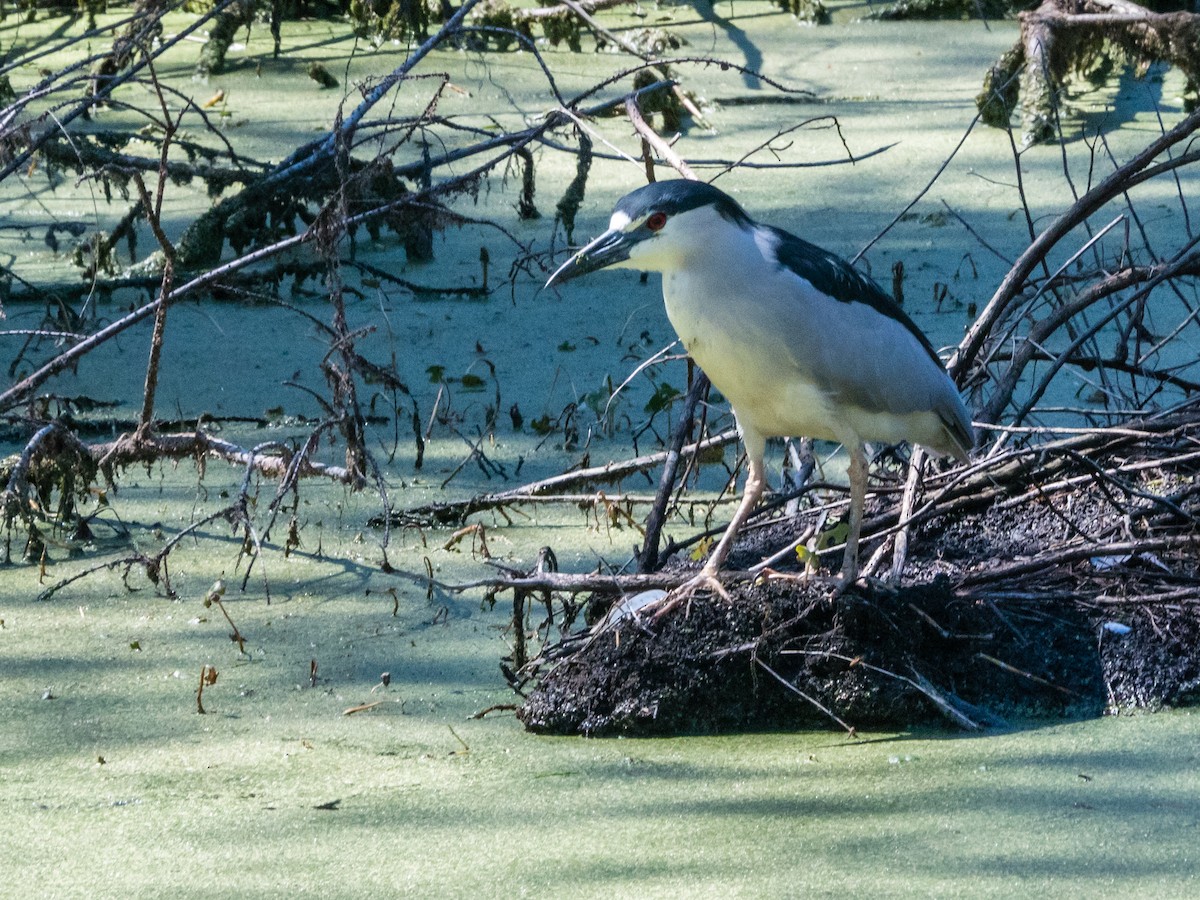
(1139, 169)
(450, 513)
(651, 137)
(811, 701)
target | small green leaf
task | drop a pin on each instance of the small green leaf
(663, 395)
(833, 536)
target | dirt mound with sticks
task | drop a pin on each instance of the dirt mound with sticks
(1066, 594)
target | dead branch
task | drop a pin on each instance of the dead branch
(456, 513)
(648, 558)
(1065, 36)
(127, 450)
(1008, 476)
(812, 701)
(53, 459)
(146, 26)
(1062, 556)
(654, 140)
(1141, 168)
(587, 6)
(149, 447)
(1186, 262)
(591, 583)
(206, 280)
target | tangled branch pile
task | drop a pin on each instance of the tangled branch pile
(1057, 580)
(272, 228)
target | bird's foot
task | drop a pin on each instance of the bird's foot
(845, 582)
(805, 577)
(837, 585)
(705, 580)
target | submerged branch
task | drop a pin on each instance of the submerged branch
(153, 447)
(456, 513)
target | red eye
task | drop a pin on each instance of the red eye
(656, 221)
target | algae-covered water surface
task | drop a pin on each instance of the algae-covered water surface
(336, 750)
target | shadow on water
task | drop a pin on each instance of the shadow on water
(752, 57)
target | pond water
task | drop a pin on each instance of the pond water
(114, 784)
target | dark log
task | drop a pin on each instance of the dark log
(1081, 37)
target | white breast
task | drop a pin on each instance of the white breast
(795, 362)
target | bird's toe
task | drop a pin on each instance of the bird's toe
(703, 581)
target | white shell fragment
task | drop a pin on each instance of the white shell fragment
(628, 607)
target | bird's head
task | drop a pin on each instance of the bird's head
(655, 227)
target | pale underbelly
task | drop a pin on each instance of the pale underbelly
(774, 399)
(771, 401)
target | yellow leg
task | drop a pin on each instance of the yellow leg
(706, 578)
(858, 499)
(755, 482)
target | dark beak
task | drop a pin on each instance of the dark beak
(611, 247)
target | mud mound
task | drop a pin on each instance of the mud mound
(791, 658)
(1067, 599)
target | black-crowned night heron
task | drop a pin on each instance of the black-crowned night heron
(799, 341)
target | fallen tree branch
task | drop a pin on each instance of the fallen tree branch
(812, 701)
(651, 137)
(128, 450)
(1064, 36)
(455, 513)
(1060, 556)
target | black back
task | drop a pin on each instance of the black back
(834, 276)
